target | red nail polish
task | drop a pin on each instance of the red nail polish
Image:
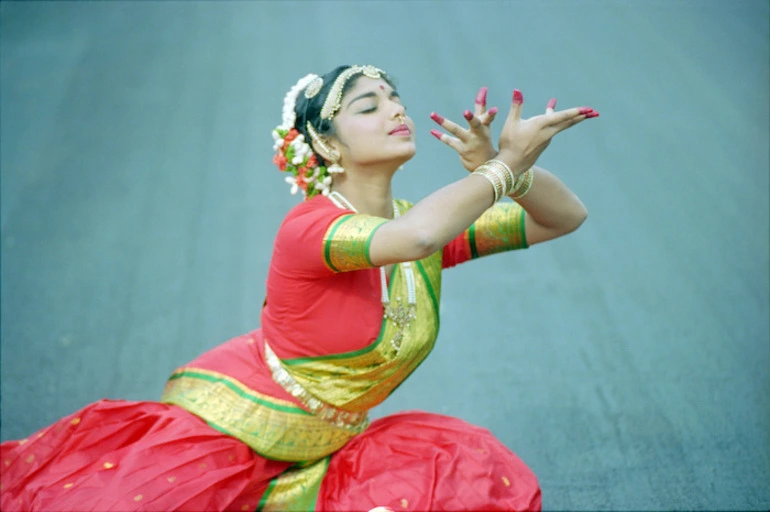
(468, 115)
(436, 117)
(551, 103)
(592, 114)
(585, 110)
(436, 134)
(518, 98)
(481, 97)
(493, 111)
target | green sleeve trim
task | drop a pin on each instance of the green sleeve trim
(369, 242)
(522, 224)
(472, 241)
(330, 239)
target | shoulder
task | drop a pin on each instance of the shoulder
(318, 205)
(318, 210)
(403, 205)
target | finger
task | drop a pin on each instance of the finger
(481, 101)
(583, 114)
(487, 117)
(473, 121)
(518, 101)
(450, 141)
(565, 116)
(551, 106)
(453, 128)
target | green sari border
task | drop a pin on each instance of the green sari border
(240, 392)
(266, 495)
(431, 292)
(264, 500)
(354, 353)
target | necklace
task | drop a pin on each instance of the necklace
(400, 314)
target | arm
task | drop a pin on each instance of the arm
(446, 213)
(431, 223)
(552, 209)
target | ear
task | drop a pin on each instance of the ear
(326, 147)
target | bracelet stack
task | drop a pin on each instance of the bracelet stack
(504, 181)
(523, 184)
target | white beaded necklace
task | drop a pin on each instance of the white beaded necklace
(399, 314)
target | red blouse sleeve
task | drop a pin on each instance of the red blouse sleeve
(500, 228)
(318, 239)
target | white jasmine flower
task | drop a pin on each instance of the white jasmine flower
(293, 182)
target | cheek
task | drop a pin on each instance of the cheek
(362, 132)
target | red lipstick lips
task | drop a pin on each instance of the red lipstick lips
(401, 130)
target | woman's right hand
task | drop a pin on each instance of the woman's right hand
(522, 141)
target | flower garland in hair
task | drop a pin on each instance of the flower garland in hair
(293, 154)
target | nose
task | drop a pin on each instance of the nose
(399, 113)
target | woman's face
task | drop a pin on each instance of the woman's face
(372, 126)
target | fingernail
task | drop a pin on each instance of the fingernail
(481, 97)
(436, 117)
(518, 98)
(493, 111)
(551, 103)
(592, 114)
(585, 110)
(468, 115)
(436, 134)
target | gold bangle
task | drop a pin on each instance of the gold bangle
(524, 185)
(491, 175)
(507, 174)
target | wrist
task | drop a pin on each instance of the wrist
(513, 161)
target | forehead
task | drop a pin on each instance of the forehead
(365, 84)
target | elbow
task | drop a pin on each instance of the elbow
(423, 244)
(426, 245)
(577, 219)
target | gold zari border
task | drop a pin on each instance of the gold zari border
(276, 429)
(295, 489)
(346, 242)
(499, 229)
(357, 381)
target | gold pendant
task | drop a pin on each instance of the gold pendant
(401, 316)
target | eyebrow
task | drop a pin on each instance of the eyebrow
(393, 94)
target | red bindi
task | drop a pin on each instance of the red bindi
(382, 87)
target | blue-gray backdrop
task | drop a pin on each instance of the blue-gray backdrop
(628, 364)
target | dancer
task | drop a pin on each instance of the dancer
(276, 419)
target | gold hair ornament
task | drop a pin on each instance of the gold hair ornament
(330, 154)
(334, 98)
(314, 88)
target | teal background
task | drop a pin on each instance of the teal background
(628, 364)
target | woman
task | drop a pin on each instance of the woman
(276, 419)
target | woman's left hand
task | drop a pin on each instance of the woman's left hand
(474, 145)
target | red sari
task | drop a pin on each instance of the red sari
(281, 424)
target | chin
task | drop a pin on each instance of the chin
(408, 154)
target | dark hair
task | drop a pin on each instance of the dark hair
(309, 110)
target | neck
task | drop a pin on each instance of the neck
(369, 192)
